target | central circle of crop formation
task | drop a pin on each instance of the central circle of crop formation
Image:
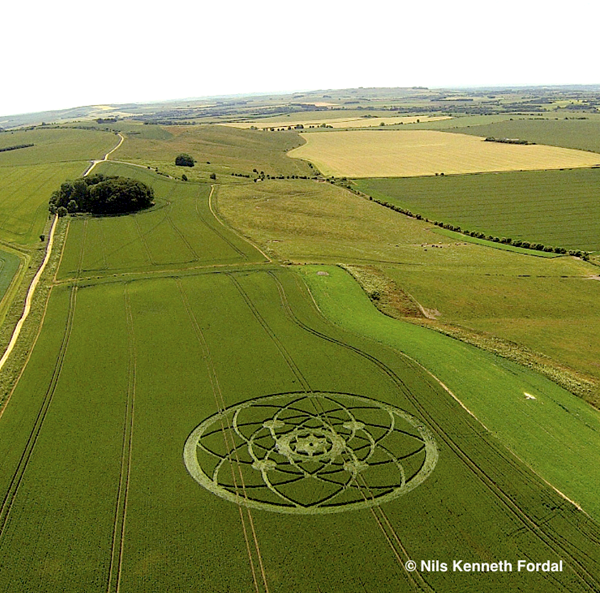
(309, 453)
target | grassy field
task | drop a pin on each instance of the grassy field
(551, 425)
(107, 466)
(219, 149)
(427, 152)
(302, 223)
(554, 313)
(24, 195)
(583, 134)
(54, 146)
(559, 208)
(179, 231)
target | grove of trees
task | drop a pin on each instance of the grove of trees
(184, 160)
(100, 194)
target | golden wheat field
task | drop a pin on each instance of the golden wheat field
(337, 122)
(413, 153)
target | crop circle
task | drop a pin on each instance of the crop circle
(310, 453)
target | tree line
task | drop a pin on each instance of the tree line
(15, 147)
(585, 255)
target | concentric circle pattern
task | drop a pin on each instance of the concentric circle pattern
(310, 453)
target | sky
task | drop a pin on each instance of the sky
(68, 53)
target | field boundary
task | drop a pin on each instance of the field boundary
(16, 280)
(29, 297)
(230, 228)
(494, 245)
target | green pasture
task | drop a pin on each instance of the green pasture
(552, 311)
(568, 132)
(9, 265)
(557, 208)
(313, 222)
(55, 146)
(218, 149)
(24, 195)
(554, 426)
(180, 231)
(94, 433)
(128, 128)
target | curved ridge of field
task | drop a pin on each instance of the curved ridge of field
(551, 311)
(180, 231)
(553, 431)
(416, 153)
(93, 438)
(338, 121)
(558, 208)
(550, 305)
(53, 145)
(24, 194)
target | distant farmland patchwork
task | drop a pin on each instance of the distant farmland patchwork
(340, 121)
(427, 152)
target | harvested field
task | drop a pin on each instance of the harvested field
(427, 152)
